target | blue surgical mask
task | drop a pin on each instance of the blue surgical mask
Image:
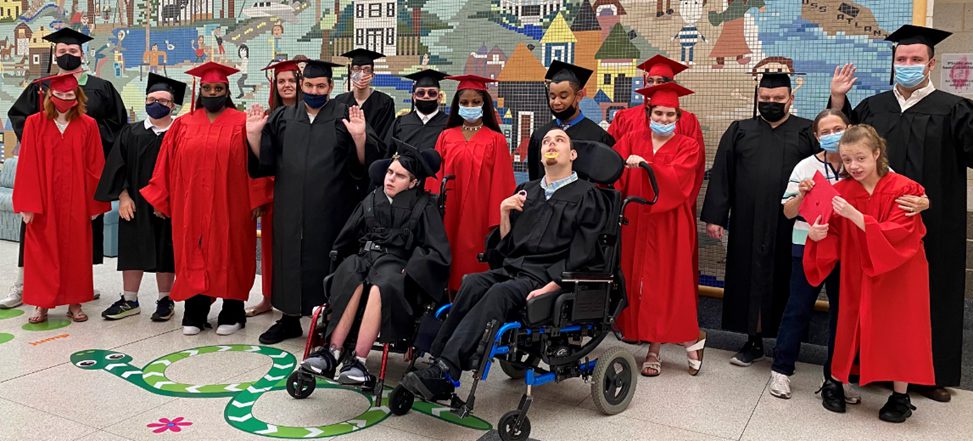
(909, 75)
(157, 110)
(662, 129)
(830, 142)
(315, 101)
(470, 114)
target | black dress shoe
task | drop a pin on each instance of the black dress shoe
(285, 328)
(897, 409)
(934, 393)
(832, 396)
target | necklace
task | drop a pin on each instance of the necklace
(472, 128)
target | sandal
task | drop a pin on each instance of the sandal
(698, 348)
(77, 316)
(39, 316)
(652, 368)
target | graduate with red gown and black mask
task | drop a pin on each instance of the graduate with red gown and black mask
(201, 182)
(659, 270)
(883, 331)
(476, 153)
(61, 161)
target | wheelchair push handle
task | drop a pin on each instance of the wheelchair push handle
(640, 200)
(442, 193)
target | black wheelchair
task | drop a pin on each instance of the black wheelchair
(562, 329)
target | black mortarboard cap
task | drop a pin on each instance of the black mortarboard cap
(157, 83)
(774, 79)
(318, 69)
(362, 57)
(912, 34)
(427, 78)
(422, 163)
(67, 36)
(561, 71)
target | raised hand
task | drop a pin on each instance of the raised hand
(256, 118)
(843, 80)
(355, 123)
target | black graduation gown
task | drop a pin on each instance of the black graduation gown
(106, 107)
(317, 183)
(145, 242)
(585, 130)
(411, 230)
(750, 172)
(409, 128)
(932, 144)
(379, 110)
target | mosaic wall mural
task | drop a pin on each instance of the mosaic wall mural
(723, 41)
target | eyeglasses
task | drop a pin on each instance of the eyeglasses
(153, 101)
(427, 93)
(362, 69)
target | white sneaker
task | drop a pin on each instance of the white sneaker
(228, 329)
(14, 298)
(190, 330)
(780, 385)
(852, 396)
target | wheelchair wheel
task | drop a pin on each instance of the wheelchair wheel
(300, 385)
(507, 430)
(613, 383)
(518, 372)
(400, 400)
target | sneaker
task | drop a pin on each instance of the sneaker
(121, 309)
(14, 298)
(852, 396)
(229, 329)
(321, 362)
(748, 354)
(285, 328)
(897, 409)
(780, 385)
(191, 330)
(832, 396)
(165, 308)
(353, 373)
(432, 383)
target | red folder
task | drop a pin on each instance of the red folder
(817, 202)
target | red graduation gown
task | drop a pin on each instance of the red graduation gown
(883, 313)
(484, 177)
(659, 260)
(56, 180)
(201, 182)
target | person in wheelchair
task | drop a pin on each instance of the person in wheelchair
(549, 226)
(392, 257)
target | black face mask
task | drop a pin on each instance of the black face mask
(563, 115)
(213, 104)
(68, 62)
(426, 106)
(771, 112)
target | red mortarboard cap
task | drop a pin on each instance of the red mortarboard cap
(665, 94)
(662, 67)
(60, 83)
(211, 72)
(471, 82)
(817, 202)
(285, 66)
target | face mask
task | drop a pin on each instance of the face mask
(213, 104)
(68, 62)
(563, 115)
(830, 142)
(470, 114)
(771, 112)
(157, 110)
(662, 129)
(909, 75)
(427, 106)
(63, 105)
(315, 101)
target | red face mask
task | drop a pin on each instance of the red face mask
(63, 105)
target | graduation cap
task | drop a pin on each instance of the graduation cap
(427, 78)
(60, 83)
(912, 34)
(159, 83)
(560, 71)
(67, 36)
(318, 68)
(362, 57)
(771, 80)
(422, 163)
(285, 66)
(665, 94)
(660, 66)
(817, 202)
(211, 72)
(471, 82)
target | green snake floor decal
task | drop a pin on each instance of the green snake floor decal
(243, 396)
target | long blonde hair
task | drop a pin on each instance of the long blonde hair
(82, 108)
(864, 133)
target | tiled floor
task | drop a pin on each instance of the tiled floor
(43, 396)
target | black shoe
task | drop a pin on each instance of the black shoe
(353, 373)
(164, 309)
(934, 393)
(749, 353)
(320, 362)
(832, 396)
(897, 409)
(432, 383)
(121, 309)
(285, 328)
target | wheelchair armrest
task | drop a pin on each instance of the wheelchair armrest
(540, 308)
(577, 276)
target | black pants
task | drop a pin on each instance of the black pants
(482, 297)
(797, 316)
(197, 311)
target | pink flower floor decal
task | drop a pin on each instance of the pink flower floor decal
(165, 424)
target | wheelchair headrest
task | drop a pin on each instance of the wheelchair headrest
(597, 162)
